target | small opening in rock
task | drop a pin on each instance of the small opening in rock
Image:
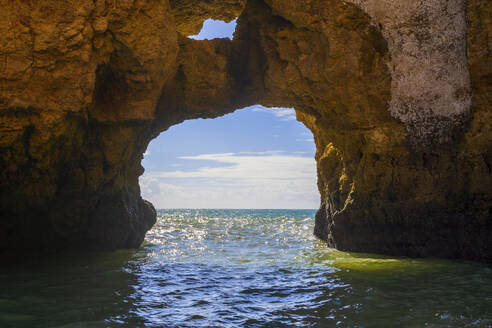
(256, 157)
(213, 29)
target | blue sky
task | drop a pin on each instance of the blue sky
(256, 157)
(215, 29)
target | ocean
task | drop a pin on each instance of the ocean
(242, 268)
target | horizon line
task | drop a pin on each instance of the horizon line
(229, 208)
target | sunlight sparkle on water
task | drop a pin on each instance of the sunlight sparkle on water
(244, 268)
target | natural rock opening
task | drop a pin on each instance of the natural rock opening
(254, 158)
(190, 15)
(215, 29)
(84, 88)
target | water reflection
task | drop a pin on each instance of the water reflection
(243, 268)
(72, 290)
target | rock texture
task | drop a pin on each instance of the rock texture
(190, 15)
(430, 87)
(397, 95)
(79, 82)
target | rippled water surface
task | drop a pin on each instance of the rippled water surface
(243, 268)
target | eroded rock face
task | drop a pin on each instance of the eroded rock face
(397, 95)
(79, 82)
(430, 87)
(190, 15)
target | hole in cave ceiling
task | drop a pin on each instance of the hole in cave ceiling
(213, 29)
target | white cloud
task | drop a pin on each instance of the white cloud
(284, 114)
(249, 180)
(269, 152)
(246, 167)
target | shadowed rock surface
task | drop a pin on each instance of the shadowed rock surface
(398, 96)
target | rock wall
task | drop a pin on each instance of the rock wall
(397, 95)
(430, 86)
(79, 81)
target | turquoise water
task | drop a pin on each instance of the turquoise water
(243, 268)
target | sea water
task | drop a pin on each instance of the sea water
(242, 268)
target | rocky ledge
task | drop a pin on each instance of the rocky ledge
(398, 95)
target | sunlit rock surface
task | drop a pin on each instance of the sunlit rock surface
(397, 94)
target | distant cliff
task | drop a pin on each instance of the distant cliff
(398, 95)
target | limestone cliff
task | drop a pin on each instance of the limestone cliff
(397, 94)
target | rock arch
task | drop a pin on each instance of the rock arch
(404, 156)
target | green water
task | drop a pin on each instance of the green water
(243, 268)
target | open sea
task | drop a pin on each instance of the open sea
(242, 268)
